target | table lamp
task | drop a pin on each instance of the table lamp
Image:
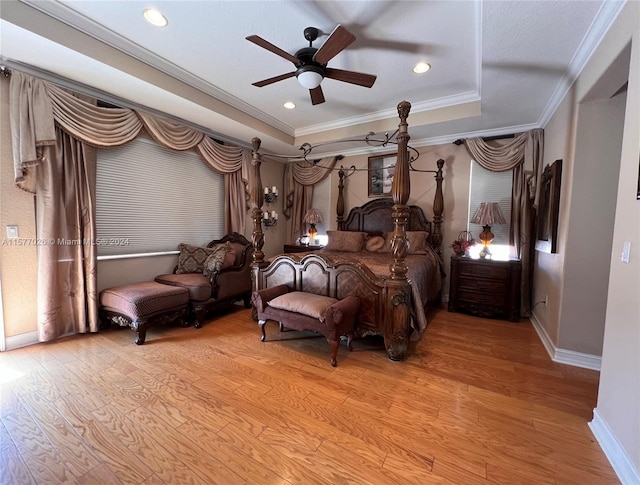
(312, 217)
(487, 215)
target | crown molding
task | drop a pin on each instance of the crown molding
(605, 17)
(390, 114)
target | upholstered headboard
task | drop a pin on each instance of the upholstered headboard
(375, 217)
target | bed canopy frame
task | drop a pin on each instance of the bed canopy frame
(397, 290)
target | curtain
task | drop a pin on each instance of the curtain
(523, 155)
(32, 127)
(299, 179)
(65, 188)
(54, 135)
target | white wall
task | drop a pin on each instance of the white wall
(617, 419)
(590, 224)
(619, 393)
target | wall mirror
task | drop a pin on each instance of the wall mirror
(548, 208)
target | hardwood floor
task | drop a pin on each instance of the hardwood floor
(477, 401)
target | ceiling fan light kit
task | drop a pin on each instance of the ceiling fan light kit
(309, 76)
(311, 63)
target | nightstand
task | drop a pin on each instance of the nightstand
(300, 248)
(485, 287)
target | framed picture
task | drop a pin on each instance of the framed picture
(381, 170)
(548, 208)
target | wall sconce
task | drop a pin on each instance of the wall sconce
(269, 218)
(270, 195)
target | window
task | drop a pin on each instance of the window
(488, 186)
(149, 199)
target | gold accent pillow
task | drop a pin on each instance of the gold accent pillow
(374, 243)
(351, 241)
(417, 242)
(223, 256)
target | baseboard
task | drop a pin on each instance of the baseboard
(544, 336)
(614, 452)
(578, 359)
(563, 356)
(21, 340)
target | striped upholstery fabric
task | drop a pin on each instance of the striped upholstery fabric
(196, 283)
(143, 299)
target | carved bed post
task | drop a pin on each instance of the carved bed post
(396, 333)
(256, 202)
(340, 203)
(438, 208)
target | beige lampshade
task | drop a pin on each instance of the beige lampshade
(313, 216)
(488, 214)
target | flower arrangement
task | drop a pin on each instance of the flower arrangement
(464, 242)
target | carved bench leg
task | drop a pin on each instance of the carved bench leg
(334, 352)
(349, 341)
(140, 327)
(264, 336)
(199, 317)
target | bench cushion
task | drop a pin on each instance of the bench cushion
(197, 284)
(143, 299)
(309, 304)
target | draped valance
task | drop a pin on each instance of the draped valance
(36, 105)
(299, 179)
(524, 149)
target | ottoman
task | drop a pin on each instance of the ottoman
(307, 311)
(141, 304)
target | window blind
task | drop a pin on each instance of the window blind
(150, 198)
(488, 186)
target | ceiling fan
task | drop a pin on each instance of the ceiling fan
(311, 63)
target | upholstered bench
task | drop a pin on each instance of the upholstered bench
(141, 304)
(298, 310)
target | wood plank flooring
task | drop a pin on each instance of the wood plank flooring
(477, 401)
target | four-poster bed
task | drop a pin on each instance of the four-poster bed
(395, 283)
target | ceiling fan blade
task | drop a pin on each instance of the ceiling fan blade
(275, 79)
(359, 78)
(317, 96)
(257, 40)
(338, 40)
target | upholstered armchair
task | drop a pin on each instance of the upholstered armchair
(217, 275)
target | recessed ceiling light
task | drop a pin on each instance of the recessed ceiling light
(289, 105)
(421, 67)
(155, 17)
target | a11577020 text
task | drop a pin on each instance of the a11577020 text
(33, 241)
